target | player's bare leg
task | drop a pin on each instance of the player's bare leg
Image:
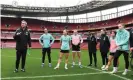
(79, 59)
(66, 60)
(73, 58)
(59, 60)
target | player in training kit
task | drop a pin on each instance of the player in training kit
(122, 42)
(22, 38)
(76, 41)
(44, 40)
(104, 47)
(65, 47)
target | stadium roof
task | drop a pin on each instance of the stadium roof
(45, 3)
(90, 6)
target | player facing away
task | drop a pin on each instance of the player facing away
(113, 48)
(65, 47)
(22, 38)
(45, 41)
(104, 47)
(122, 41)
(92, 42)
(76, 41)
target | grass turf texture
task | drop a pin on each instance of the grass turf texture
(34, 71)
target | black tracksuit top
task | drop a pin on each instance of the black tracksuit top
(23, 39)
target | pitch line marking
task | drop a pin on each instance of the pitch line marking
(65, 75)
(124, 78)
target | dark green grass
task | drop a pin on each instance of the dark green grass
(33, 67)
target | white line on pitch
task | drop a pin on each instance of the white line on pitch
(81, 74)
(124, 78)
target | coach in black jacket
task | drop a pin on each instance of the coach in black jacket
(92, 42)
(22, 38)
(104, 47)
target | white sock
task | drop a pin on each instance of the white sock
(65, 64)
(115, 68)
(73, 63)
(58, 65)
(103, 66)
(49, 63)
(79, 63)
(126, 70)
(42, 63)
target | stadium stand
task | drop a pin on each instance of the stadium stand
(34, 26)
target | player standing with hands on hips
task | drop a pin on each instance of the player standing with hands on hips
(22, 38)
(44, 40)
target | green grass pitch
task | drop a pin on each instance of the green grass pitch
(34, 71)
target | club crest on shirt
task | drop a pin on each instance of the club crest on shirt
(26, 33)
(104, 38)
